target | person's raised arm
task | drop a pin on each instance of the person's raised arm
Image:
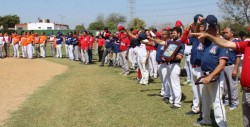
(219, 41)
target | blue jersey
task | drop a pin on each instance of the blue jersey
(159, 51)
(68, 40)
(59, 40)
(211, 56)
(179, 52)
(109, 43)
(116, 46)
(197, 51)
(232, 55)
(74, 41)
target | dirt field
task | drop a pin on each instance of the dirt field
(21, 77)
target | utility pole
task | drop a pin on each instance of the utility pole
(132, 9)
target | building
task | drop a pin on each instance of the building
(44, 24)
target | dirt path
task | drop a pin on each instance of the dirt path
(19, 78)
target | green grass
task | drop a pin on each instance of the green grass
(89, 95)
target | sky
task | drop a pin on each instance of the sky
(75, 12)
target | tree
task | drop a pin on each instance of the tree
(137, 23)
(79, 28)
(115, 19)
(96, 26)
(9, 21)
(236, 10)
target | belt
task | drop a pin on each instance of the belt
(246, 89)
(228, 64)
(194, 66)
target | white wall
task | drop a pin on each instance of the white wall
(40, 26)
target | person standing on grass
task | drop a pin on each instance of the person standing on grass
(197, 52)
(213, 62)
(231, 72)
(59, 41)
(116, 51)
(52, 49)
(15, 42)
(6, 45)
(24, 45)
(244, 48)
(125, 42)
(29, 45)
(76, 46)
(91, 48)
(101, 43)
(1, 46)
(37, 45)
(173, 68)
(84, 42)
(43, 40)
(67, 43)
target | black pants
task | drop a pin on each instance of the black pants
(100, 53)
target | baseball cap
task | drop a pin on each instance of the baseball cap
(178, 23)
(107, 34)
(142, 36)
(120, 28)
(211, 20)
(196, 17)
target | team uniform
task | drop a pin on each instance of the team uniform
(1, 46)
(6, 45)
(197, 52)
(91, 43)
(43, 39)
(59, 41)
(230, 83)
(37, 46)
(116, 50)
(187, 64)
(173, 74)
(84, 42)
(76, 50)
(24, 46)
(52, 49)
(152, 64)
(29, 46)
(212, 92)
(100, 43)
(108, 49)
(15, 42)
(124, 44)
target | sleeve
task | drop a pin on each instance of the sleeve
(181, 50)
(184, 38)
(240, 46)
(223, 53)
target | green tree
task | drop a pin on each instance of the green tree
(137, 23)
(9, 21)
(96, 26)
(236, 10)
(115, 19)
(79, 28)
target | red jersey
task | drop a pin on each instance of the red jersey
(150, 47)
(91, 42)
(100, 42)
(84, 42)
(125, 41)
(244, 48)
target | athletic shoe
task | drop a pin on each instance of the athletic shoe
(175, 107)
(201, 123)
(192, 113)
(225, 103)
(232, 107)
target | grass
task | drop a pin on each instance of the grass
(89, 95)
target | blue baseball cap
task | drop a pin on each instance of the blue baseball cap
(211, 20)
(196, 17)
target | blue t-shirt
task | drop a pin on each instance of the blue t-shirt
(232, 55)
(211, 56)
(59, 40)
(197, 51)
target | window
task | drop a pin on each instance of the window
(19, 28)
(49, 28)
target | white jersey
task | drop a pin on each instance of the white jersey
(7, 39)
(1, 40)
(187, 49)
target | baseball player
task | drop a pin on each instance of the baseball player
(213, 62)
(15, 42)
(59, 41)
(52, 49)
(37, 45)
(195, 61)
(75, 44)
(231, 72)
(125, 42)
(43, 40)
(24, 45)
(1, 45)
(29, 45)
(173, 69)
(90, 48)
(67, 43)
(6, 45)
(84, 42)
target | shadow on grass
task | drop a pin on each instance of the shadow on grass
(150, 90)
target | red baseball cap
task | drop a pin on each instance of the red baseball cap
(120, 28)
(178, 23)
(107, 34)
